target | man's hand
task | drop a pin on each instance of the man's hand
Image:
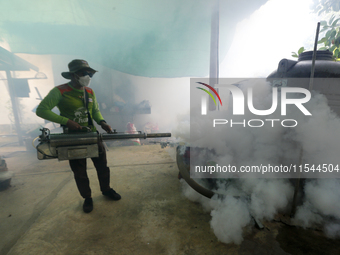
(106, 127)
(72, 125)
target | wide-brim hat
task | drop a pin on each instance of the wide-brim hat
(76, 65)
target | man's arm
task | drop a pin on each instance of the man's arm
(97, 116)
(45, 107)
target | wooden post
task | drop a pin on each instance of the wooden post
(214, 46)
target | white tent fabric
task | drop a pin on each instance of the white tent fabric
(152, 38)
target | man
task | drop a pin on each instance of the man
(78, 106)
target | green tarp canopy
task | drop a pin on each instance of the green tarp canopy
(152, 38)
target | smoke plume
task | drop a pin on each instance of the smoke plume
(245, 199)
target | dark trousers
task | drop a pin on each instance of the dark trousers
(78, 167)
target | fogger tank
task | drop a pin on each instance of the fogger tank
(326, 80)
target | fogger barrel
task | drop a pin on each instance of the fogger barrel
(80, 145)
(134, 136)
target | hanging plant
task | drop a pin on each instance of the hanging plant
(331, 40)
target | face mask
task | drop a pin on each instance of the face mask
(84, 81)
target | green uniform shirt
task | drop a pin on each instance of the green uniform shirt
(70, 102)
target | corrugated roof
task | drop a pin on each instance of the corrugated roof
(11, 62)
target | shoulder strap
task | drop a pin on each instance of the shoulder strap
(89, 90)
(90, 122)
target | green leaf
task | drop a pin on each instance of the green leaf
(324, 29)
(323, 23)
(331, 49)
(334, 22)
(332, 35)
(295, 55)
(323, 48)
(302, 49)
(323, 9)
(328, 33)
(322, 40)
(337, 41)
(331, 19)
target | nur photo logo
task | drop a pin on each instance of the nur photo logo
(242, 99)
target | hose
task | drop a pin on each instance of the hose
(34, 141)
(184, 169)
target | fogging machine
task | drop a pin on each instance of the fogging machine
(66, 146)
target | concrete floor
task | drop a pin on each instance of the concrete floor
(41, 213)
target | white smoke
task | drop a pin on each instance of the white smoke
(332, 230)
(262, 199)
(229, 217)
(321, 206)
(244, 199)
